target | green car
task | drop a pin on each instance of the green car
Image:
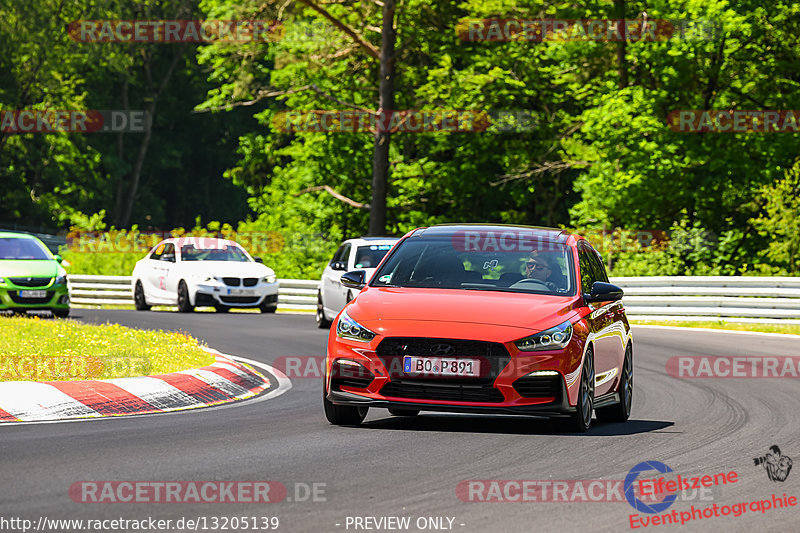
(31, 278)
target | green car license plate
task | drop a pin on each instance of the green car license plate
(32, 294)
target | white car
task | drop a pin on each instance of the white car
(354, 254)
(196, 271)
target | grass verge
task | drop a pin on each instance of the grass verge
(36, 349)
(792, 329)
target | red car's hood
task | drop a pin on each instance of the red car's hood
(375, 307)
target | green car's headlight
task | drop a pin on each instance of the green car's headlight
(347, 328)
(554, 338)
(60, 280)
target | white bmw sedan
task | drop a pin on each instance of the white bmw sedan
(197, 271)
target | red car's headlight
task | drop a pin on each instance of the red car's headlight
(347, 328)
(554, 338)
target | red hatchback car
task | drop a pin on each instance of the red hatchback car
(483, 319)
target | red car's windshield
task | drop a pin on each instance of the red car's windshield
(446, 263)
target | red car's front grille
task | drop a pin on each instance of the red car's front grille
(447, 391)
(493, 358)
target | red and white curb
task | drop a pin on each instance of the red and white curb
(225, 381)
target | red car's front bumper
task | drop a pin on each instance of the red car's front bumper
(506, 384)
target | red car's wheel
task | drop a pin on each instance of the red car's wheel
(582, 418)
(343, 415)
(621, 411)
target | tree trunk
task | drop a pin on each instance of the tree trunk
(117, 212)
(380, 159)
(622, 67)
(136, 173)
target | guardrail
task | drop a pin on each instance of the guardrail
(734, 298)
(293, 294)
(705, 298)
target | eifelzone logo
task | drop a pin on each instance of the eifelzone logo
(777, 465)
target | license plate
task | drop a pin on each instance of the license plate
(442, 366)
(32, 294)
(241, 292)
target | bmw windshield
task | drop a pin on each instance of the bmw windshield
(225, 253)
(514, 263)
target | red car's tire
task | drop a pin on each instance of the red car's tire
(343, 415)
(622, 411)
(581, 420)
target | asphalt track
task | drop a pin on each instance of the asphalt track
(411, 467)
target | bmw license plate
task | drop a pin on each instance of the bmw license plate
(32, 294)
(442, 366)
(241, 292)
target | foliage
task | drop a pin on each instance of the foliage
(58, 178)
(594, 151)
(779, 226)
(292, 254)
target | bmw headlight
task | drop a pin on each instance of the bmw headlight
(269, 279)
(348, 328)
(550, 339)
